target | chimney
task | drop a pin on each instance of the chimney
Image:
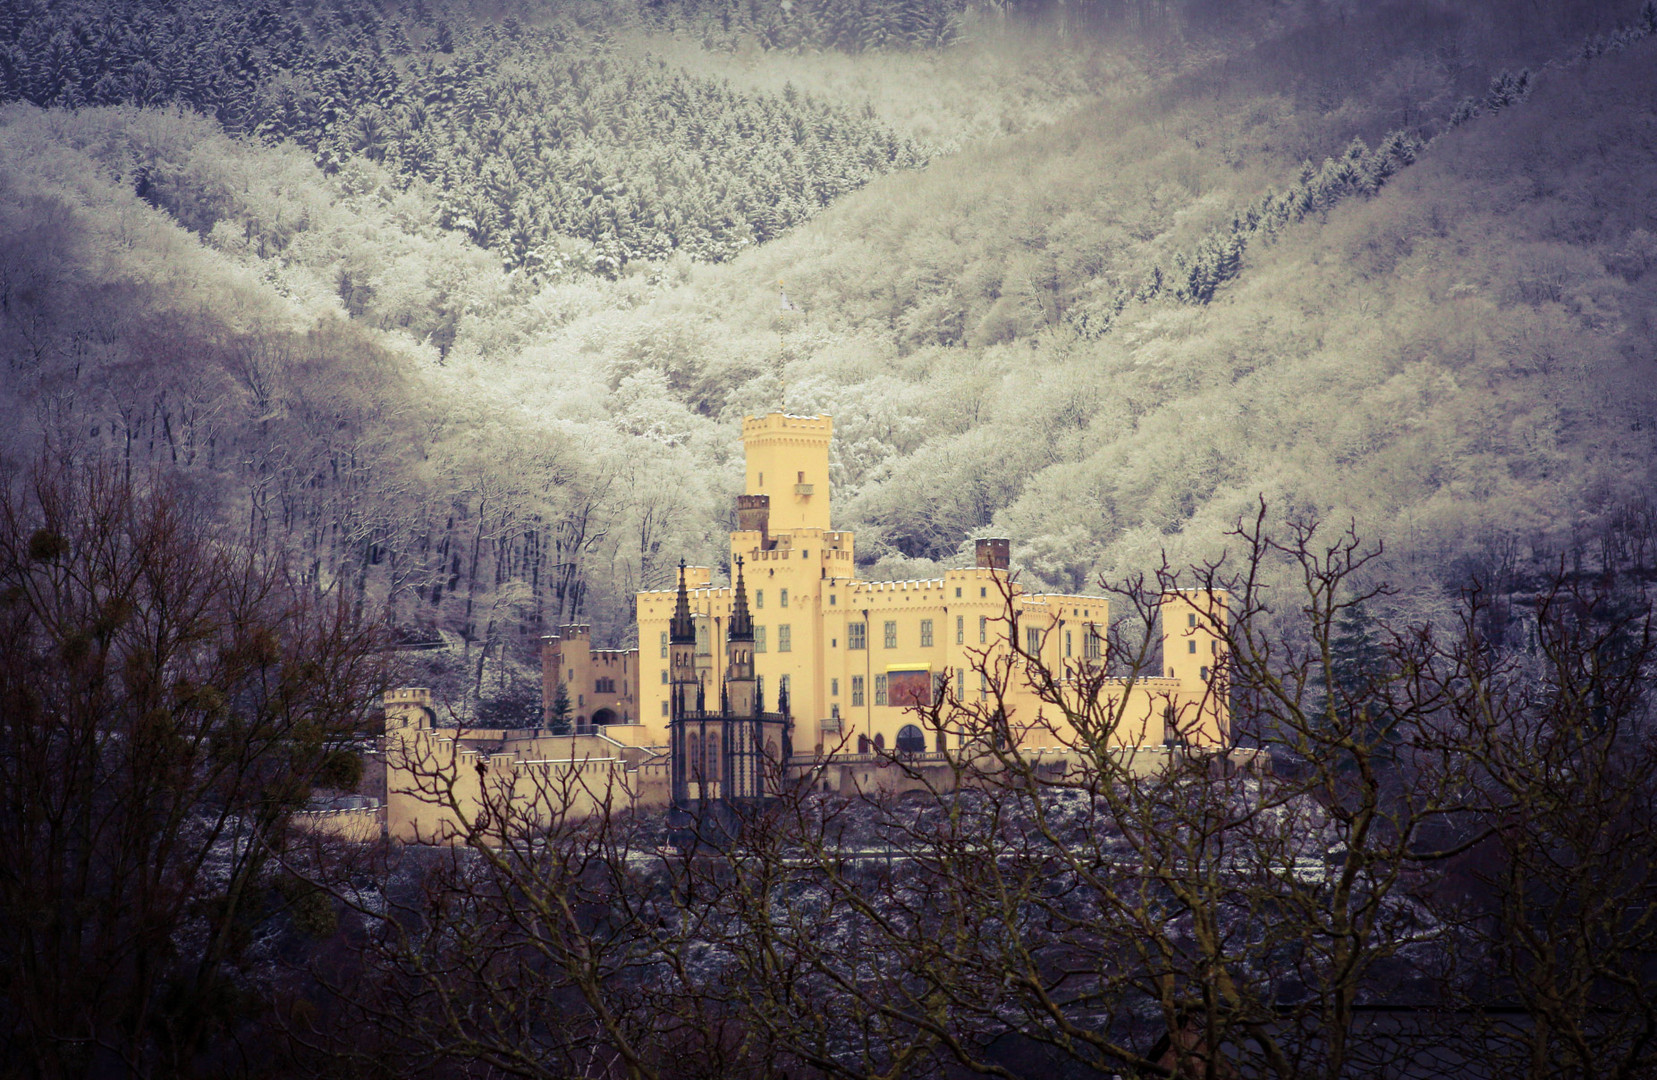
(753, 514)
(994, 554)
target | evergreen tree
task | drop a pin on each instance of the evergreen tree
(558, 713)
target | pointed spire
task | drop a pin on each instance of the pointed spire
(701, 695)
(742, 624)
(682, 630)
(782, 697)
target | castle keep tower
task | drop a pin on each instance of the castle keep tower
(788, 464)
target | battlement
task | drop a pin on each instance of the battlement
(811, 427)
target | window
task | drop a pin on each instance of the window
(1191, 646)
(1095, 644)
(983, 686)
(1191, 620)
(782, 596)
(759, 598)
(664, 708)
(834, 687)
(926, 633)
(664, 644)
(1202, 673)
(891, 634)
(664, 676)
(983, 592)
(604, 686)
(1032, 640)
(880, 689)
(785, 638)
(957, 592)
(960, 681)
(857, 691)
(983, 629)
(856, 635)
(759, 639)
(1067, 644)
(960, 628)
(910, 740)
(833, 599)
(834, 711)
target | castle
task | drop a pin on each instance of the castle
(851, 664)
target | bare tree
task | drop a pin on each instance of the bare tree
(167, 700)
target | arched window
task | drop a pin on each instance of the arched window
(862, 744)
(880, 741)
(911, 740)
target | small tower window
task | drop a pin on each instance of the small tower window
(785, 638)
(782, 598)
(960, 626)
(664, 644)
(1190, 646)
(759, 598)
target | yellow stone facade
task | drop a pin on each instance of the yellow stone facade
(856, 654)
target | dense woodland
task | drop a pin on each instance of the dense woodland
(464, 309)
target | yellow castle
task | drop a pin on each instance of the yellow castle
(856, 657)
(850, 665)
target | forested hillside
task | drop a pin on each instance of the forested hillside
(465, 310)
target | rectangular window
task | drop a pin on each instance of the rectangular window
(833, 599)
(1032, 640)
(664, 708)
(782, 598)
(891, 634)
(785, 638)
(957, 592)
(983, 629)
(759, 639)
(983, 687)
(664, 644)
(759, 598)
(960, 681)
(834, 687)
(664, 676)
(1095, 644)
(857, 690)
(1202, 673)
(1191, 646)
(1191, 620)
(960, 629)
(857, 635)
(926, 633)
(880, 689)
(1067, 644)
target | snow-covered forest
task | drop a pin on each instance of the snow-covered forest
(462, 304)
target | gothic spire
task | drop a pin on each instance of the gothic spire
(742, 624)
(682, 630)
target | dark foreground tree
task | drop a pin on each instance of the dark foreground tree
(167, 700)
